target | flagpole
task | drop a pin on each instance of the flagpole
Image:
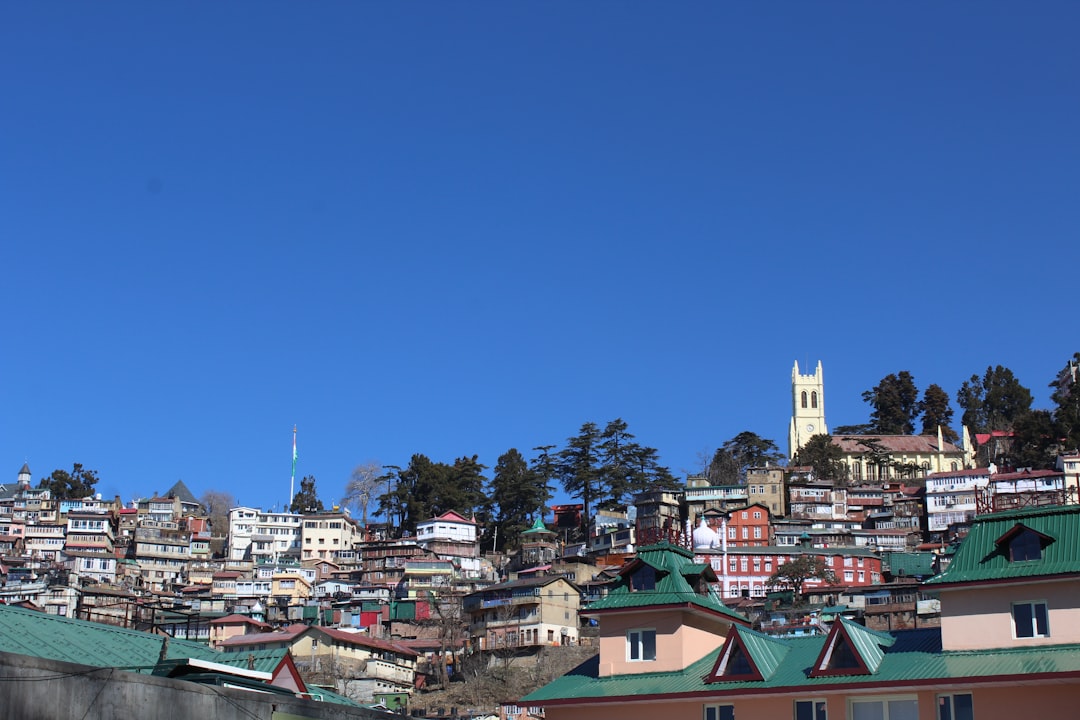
(292, 480)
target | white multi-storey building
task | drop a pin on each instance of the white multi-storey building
(263, 536)
(951, 496)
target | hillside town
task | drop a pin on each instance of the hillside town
(722, 594)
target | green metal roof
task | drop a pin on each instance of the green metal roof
(870, 644)
(34, 633)
(910, 564)
(914, 656)
(538, 527)
(263, 660)
(766, 651)
(676, 579)
(980, 559)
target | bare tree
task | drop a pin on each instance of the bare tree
(364, 481)
(217, 504)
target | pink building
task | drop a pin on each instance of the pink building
(1008, 645)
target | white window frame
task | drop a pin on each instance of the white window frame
(819, 708)
(884, 700)
(635, 643)
(946, 707)
(1034, 620)
(717, 711)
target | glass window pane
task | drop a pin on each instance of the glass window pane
(649, 645)
(867, 710)
(944, 708)
(1022, 615)
(962, 707)
(1040, 619)
(903, 710)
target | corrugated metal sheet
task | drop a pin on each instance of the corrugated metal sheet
(980, 559)
(29, 632)
(915, 655)
(675, 569)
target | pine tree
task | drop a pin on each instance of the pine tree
(518, 495)
(896, 404)
(994, 401)
(1066, 396)
(936, 412)
(307, 499)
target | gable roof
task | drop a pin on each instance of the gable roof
(450, 516)
(524, 582)
(364, 640)
(677, 577)
(240, 642)
(909, 444)
(764, 653)
(866, 646)
(981, 558)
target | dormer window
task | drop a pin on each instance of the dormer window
(1025, 546)
(1022, 544)
(644, 578)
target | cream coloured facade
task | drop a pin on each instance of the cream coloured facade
(906, 456)
(330, 536)
(807, 408)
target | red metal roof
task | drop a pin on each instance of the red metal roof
(911, 444)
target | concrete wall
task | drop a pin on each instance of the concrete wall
(36, 689)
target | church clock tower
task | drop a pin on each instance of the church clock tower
(807, 408)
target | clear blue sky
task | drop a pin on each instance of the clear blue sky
(457, 228)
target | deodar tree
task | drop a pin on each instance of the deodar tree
(895, 401)
(937, 413)
(518, 494)
(307, 499)
(77, 484)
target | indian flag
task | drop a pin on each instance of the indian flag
(294, 451)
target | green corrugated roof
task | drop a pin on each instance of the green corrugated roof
(910, 564)
(675, 572)
(870, 644)
(34, 633)
(766, 651)
(980, 559)
(264, 660)
(915, 655)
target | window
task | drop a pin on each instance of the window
(643, 579)
(1025, 546)
(757, 514)
(955, 707)
(641, 645)
(720, 712)
(1030, 620)
(804, 398)
(757, 533)
(810, 710)
(901, 708)
(813, 399)
(848, 576)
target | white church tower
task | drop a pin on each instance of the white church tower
(807, 408)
